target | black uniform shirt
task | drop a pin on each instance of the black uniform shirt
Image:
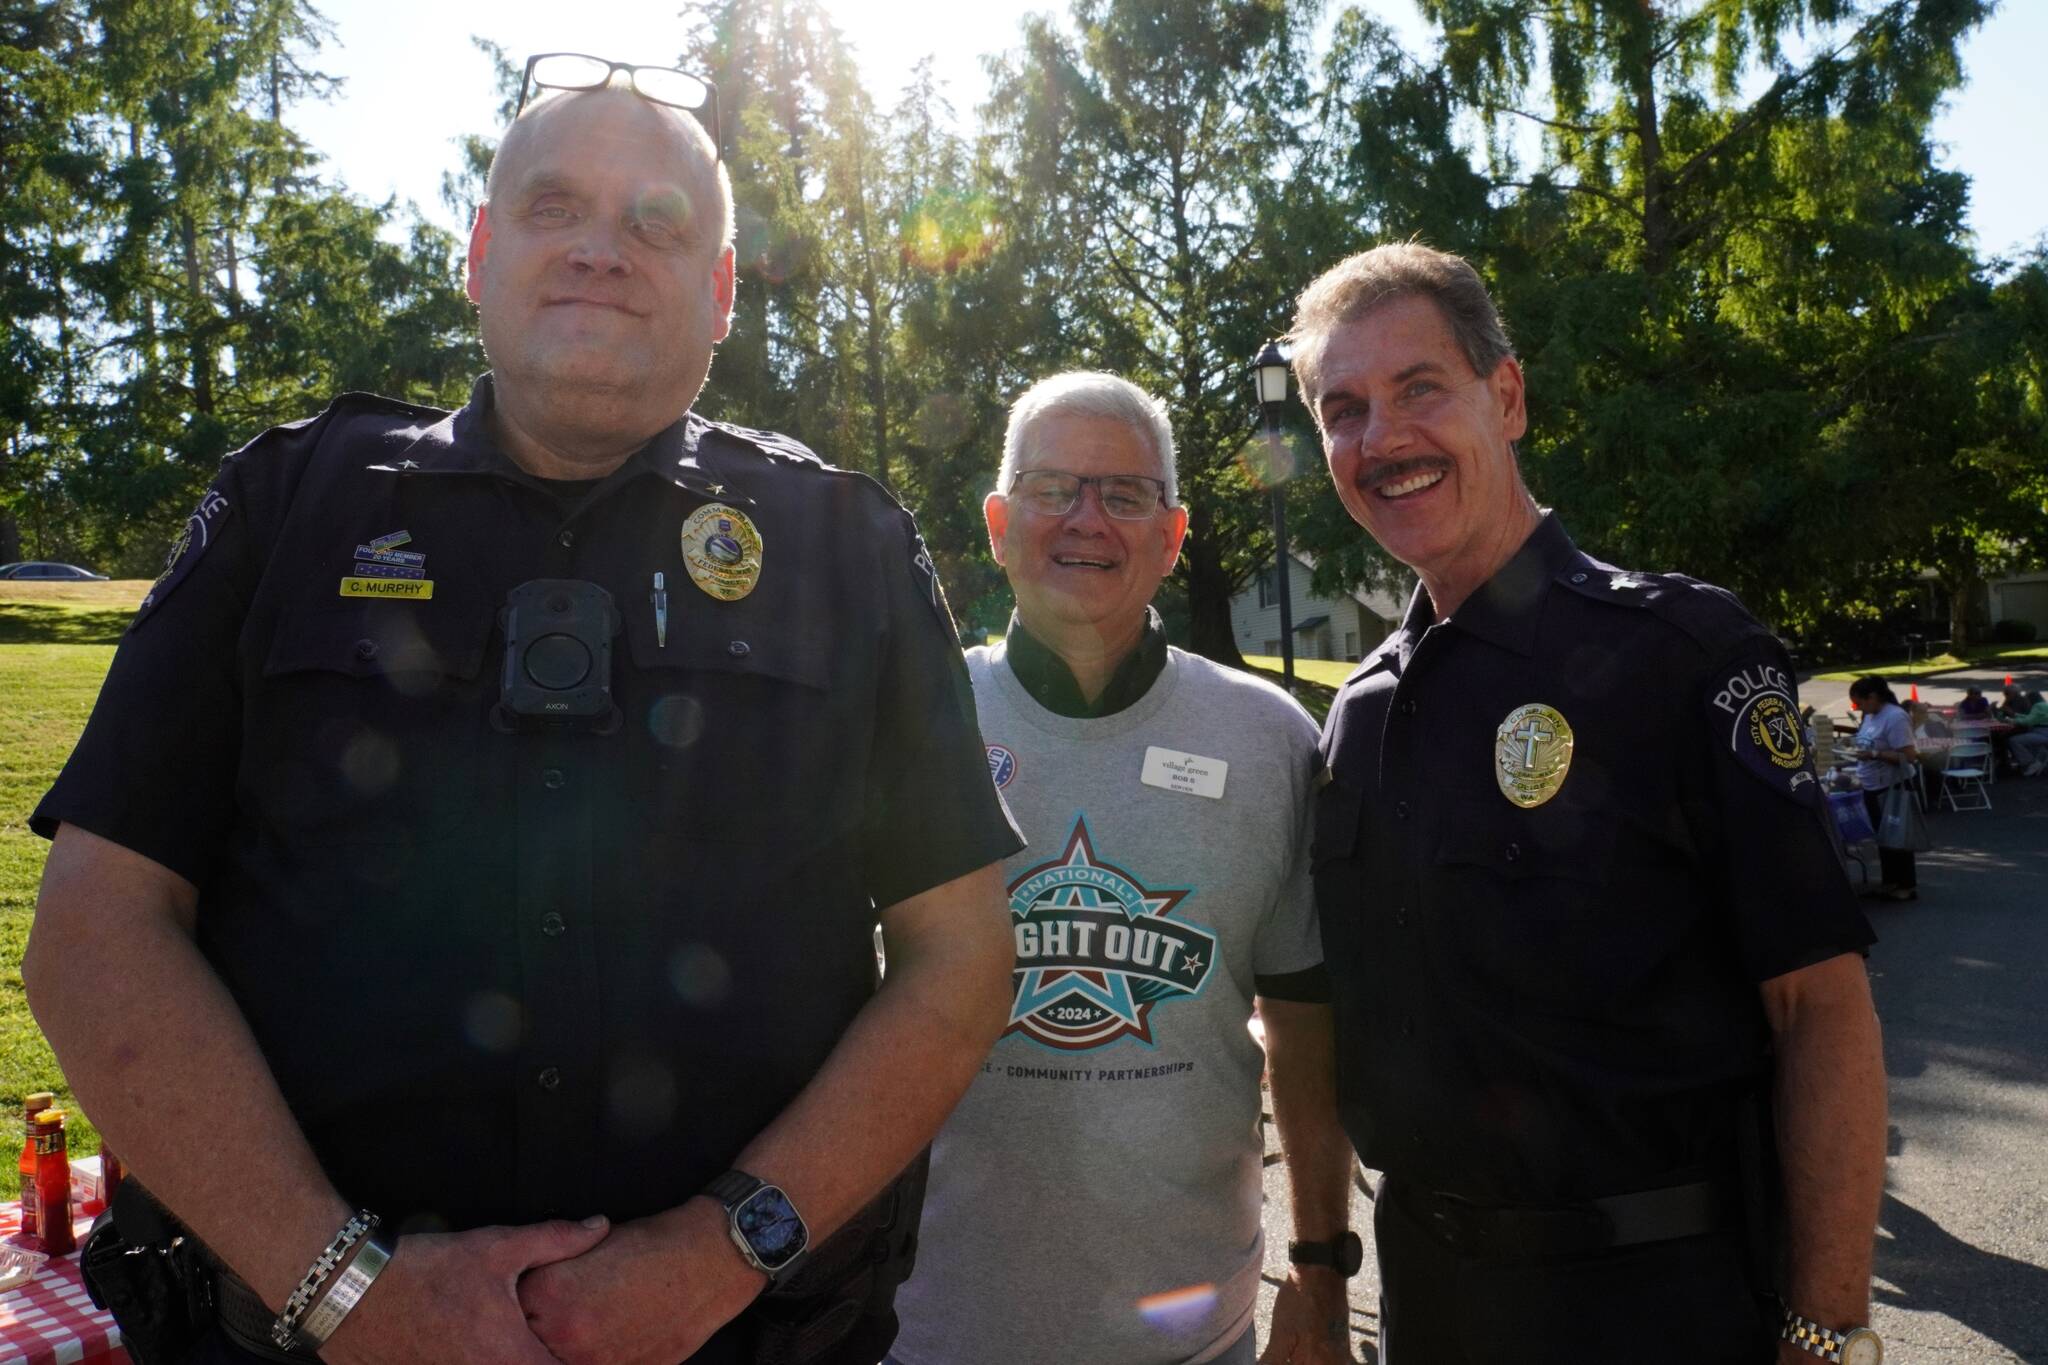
(507, 975)
(1559, 1002)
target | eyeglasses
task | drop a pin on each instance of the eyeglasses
(656, 84)
(1053, 492)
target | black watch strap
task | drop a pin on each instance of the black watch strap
(1343, 1254)
(732, 1187)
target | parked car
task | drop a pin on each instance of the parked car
(43, 569)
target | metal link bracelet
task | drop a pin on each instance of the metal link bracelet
(345, 1293)
(285, 1330)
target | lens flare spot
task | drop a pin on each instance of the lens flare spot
(640, 1098)
(768, 250)
(492, 1021)
(1267, 459)
(942, 421)
(1175, 1310)
(700, 976)
(676, 721)
(370, 763)
(948, 230)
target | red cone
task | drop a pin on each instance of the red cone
(2008, 680)
(1916, 692)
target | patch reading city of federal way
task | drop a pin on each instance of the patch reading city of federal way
(191, 543)
(1098, 952)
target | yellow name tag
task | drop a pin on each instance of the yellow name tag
(412, 589)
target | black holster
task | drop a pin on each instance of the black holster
(165, 1289)
(140, 1265)
(839, 1306)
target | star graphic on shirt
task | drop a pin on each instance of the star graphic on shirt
(1087, 899)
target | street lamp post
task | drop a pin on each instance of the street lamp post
(1269, 379)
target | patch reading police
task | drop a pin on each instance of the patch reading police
(1002, 765)
(1097, 951)
(722, 551)
(200, 530)
(1532, 752)
(1756, 702)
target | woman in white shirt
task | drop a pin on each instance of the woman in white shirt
(1885, 755)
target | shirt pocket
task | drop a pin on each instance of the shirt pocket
(1535, 910)
(754, 740)
(369, 721)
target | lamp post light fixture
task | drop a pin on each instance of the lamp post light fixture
(1269, 380)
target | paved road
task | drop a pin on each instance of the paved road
(1961, 981)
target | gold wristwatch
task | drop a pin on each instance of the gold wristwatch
(1857, 1346)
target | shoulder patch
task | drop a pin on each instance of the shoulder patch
(201, 528)
(1753, 709)
(925, 574)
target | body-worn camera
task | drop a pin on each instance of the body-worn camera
(558, 657)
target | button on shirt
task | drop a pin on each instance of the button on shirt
(504, 972)
(1558, 1002)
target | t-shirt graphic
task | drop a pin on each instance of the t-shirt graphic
(1097, 951)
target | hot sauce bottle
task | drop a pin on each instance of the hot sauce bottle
(53, 1184)
(31, 1228)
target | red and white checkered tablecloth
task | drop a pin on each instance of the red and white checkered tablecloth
(51, 1320)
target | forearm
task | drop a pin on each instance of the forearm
(1830, 1116)
(900, 1068)
(1301, 1063)
(157, 1052)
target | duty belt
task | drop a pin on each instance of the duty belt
(1519, 1230)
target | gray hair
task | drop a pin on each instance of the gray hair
(1358, 284)
(1091, 393)
(701, 153)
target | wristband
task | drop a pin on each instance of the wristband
(285, 1330)
(373, 1253)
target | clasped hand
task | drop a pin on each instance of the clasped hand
(648, 1292)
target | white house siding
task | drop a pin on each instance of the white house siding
(2022, 597)
(1349, 630)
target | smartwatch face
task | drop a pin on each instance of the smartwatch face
(771, 1226)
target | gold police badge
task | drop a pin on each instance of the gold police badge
(722, 551)
(1532, 751)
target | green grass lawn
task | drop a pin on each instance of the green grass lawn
(56, 641)
(2023, 655)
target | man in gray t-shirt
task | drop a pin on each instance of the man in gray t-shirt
(1095, 1198)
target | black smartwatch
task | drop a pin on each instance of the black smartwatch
(762, 1222)
(1343, 1254)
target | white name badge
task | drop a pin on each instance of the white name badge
(1176, 771)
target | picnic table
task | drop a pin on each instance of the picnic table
(51, 1320)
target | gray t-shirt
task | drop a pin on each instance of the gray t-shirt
(1095, 1197)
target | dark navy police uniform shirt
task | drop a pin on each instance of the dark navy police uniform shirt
(504, 976)
(1559, 1002)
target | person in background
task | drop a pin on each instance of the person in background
(1884, 746)
(1973, 706)
(2028, 745)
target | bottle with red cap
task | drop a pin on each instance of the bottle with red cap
(53, 1184)
(31, 1227)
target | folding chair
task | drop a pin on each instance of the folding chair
(1977, 732)
(1964, 771)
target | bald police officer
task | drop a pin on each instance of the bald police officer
(1583, 920)
(484, 821)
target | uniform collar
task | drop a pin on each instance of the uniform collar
(1050, 683)
(461, 443)
(1506, 610)
(1508, 607)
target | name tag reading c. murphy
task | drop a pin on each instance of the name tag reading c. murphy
(1178, 771)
